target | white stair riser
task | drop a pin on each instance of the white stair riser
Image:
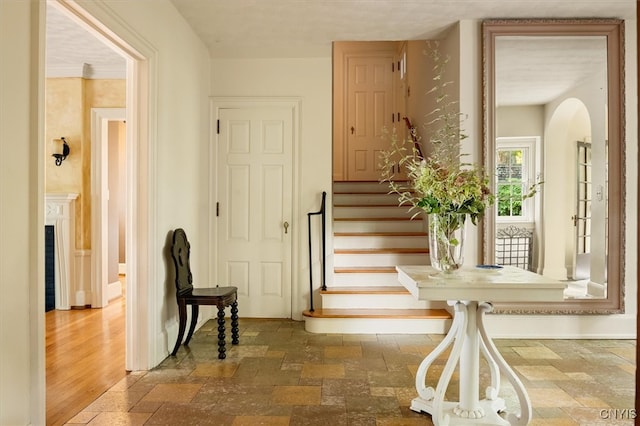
(376, 241)
(356, 200)
(377, 325)
(365, 199)
(364, 279)
(378, 226)
(374, 211)
(373, 301)
(380, 259)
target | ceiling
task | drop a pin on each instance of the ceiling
(306, 28)
(536, 70)
(71, 51)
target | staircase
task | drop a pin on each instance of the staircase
(371, 235)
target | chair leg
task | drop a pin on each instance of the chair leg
(221, 336)
(234, 323)
(182, 316)
(195, 311)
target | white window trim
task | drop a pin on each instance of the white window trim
(531, 174)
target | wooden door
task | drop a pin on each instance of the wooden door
(255, 208)
(369, 110)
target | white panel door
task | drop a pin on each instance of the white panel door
(255, 206)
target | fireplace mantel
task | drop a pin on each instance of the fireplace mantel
(60, 213)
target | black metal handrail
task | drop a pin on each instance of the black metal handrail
(322, 255)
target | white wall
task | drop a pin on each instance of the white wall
(308, 79)
(172, 164)
(176, 174)
(585, 107)
(468, 37)
(21, 216)
(570, 124)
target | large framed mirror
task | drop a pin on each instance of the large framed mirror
(554, 113)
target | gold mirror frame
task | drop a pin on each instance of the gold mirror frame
(613, 30)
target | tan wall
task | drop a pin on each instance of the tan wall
(340, 52)
(68, 113)
(420, 82)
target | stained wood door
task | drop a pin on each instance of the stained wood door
(255, 208)
(369, 110)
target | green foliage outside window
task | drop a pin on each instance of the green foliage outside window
(509, 198)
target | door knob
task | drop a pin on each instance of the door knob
(286, 227)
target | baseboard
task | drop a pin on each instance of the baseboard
(114, 290)
(561, 326)
(81, 307)
(122, 268)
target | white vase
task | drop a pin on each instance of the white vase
(446, 241)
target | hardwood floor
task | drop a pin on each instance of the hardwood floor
(84, 357)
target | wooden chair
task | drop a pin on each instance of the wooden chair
(188, 295)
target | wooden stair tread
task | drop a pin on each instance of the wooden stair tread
(361, 193)
(380, 234)
(365, 269)
(363, 181)
(382, 191)
(401, 250)
(379, 313)
(361, 206)
(366, 290)
(372, 219)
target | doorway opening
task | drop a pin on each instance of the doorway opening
(137, 220)
(109, 206)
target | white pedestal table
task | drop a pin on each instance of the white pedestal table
(471, 291)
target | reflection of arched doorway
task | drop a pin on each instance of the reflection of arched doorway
(574, 188)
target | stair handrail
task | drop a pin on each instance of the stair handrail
(321, 212)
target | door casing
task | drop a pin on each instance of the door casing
(100, 118)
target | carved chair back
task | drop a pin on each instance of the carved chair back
(180, 251)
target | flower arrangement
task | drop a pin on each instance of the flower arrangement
(441, 183)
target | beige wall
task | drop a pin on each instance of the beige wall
(420, 81)
(68, 113)
(117, 196)
(515, 121)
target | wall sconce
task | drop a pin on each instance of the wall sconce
(60, 150)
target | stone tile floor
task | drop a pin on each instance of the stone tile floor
(282, 375)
